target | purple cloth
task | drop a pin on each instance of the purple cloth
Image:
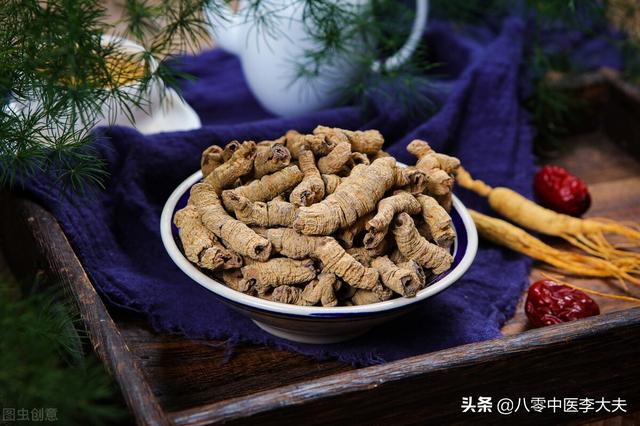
(115, 233)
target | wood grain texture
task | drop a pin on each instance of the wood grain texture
(563, 360)
(37, 244)
(185, 373)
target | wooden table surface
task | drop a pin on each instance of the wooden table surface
(183, 374)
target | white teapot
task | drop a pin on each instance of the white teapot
(158, 108)
(270, 60)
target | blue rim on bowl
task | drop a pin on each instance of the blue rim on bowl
(463, 250)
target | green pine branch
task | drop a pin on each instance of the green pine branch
(43, 363)
(51, 54)
(52, 58)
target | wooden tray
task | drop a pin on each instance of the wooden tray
(166, 379)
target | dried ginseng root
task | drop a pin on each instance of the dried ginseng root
(517, 239)
(358, 158)
(333, 210)
(229, 149)
(587, 234)
(416, 270)
(347, 235)
(379, 154)
(589, 291)
(331, 182)
(429, 160)
(438, 168)
(335, 259)
(278, 271)
(311, 189)
(356, 196)
(446, 201)
(200, 244)
(366, 256)
(276, 212)
(415, 247)
(327, 250)
(288, 294)
(289, 243)
(240, 164)
(366, 142)
(362, 255)
(233, 279)
(410, 179)
(211, 159)
(267, 187)
(402, 281)
(387, 208)
(333, 162)
(322, 290)
(367, 297)
(317, 144)
(437, 222)
(270, 158)
(233, 233)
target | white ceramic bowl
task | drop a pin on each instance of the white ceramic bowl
(316, 324)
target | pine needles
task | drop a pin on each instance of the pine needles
(53, 60)
(52, 56)
(43, 365)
